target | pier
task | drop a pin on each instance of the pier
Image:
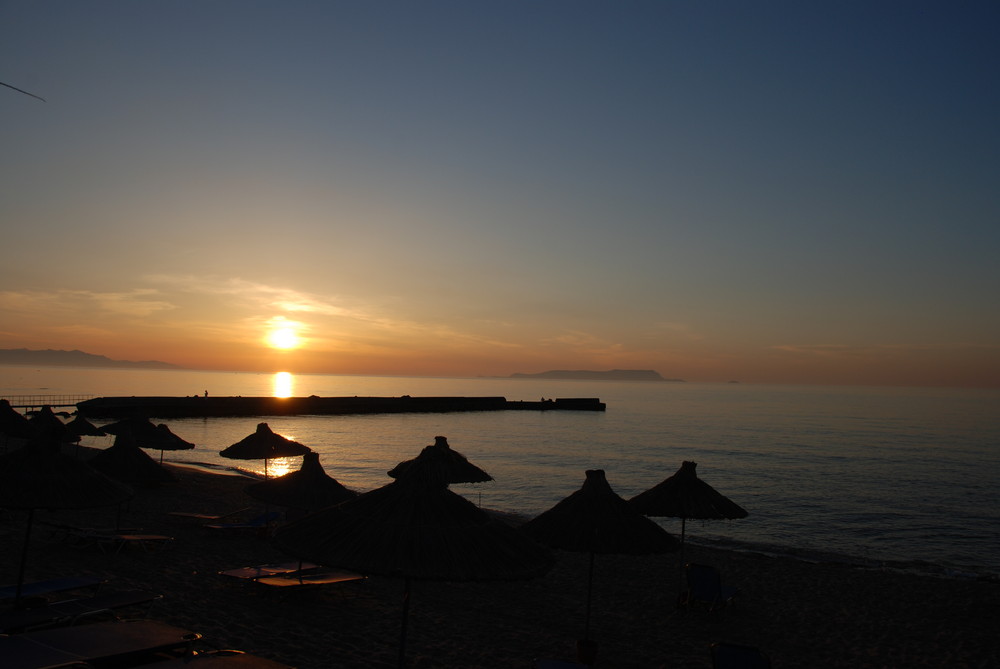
(199, 407)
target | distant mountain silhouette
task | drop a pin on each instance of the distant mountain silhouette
(53, 358)
(611, 375)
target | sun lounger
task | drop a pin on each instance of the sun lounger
(222, 659)
(73, 611)
(705, 586)
(290, 574)
(255, 523)
(117, 643)
(320, 576)
(115, 543)
(53, 586)
(257, 571)
(206, 516)
(107, 539)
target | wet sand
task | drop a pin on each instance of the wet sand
(801, 614)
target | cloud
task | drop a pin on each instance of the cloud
(139, 302)
(680, 330)
(846, 350)
(257, 294)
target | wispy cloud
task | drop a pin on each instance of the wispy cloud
(139, 302)
(847, 350)
(258, 294)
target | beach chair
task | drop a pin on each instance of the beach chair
(53, 586)
(316, 576)
(112, 644)
(205, 517)
(253, 572)
(705, 587)
(736, 656)
(115, 543)
(256, 523)
(74, 611)
(221, 659)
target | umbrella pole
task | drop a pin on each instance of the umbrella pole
(24, 558)
(406, 615)
(590, 588)
(680, 570)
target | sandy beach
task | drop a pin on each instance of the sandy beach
(802, 614)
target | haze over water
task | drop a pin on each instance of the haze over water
(897, 475)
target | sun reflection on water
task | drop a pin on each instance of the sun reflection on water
(280, 466)
(283, 384)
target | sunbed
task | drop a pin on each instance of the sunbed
(73, 611)
(289, 574)
(206, 516)
(705, 586)
(221, 659)
(53, 586)
(117, 643)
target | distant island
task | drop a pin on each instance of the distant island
(588, 375)
(53, 358)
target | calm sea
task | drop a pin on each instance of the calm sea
(897, 476)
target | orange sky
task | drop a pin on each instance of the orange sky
(764, 193)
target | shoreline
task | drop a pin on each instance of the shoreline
(811, 556)
(802, 614)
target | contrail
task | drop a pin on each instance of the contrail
(20, 91)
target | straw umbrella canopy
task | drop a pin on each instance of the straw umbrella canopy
(415, 529)
(81, 427)
(166, 440)
(125, 461)
(595, 520)
(40, 477)
(440, 462)
(264, 444)
(142, 430)
(45, 421)
(13, 425)
(308, 489)
(684, 496)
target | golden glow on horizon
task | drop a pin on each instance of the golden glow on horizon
(283, 384)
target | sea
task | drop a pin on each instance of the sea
(883, 477)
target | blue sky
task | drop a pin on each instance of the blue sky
(774, 191)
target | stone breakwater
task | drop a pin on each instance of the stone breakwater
(197, 407)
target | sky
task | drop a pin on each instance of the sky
(768, 192)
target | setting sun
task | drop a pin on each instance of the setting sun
(285, 338)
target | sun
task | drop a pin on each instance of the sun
(283, 338)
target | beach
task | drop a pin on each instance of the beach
(802, 614)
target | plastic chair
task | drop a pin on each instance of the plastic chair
(705, 586)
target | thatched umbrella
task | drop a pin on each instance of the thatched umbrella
(308, 489)
(46, 422)
(417, 530)
(40, 477)
(264, 444)
(13, 424)
(595, 520)
(81, 427)
(168, 441)
(125, 461)
(142, 430)
(440, 463)
(684, 496)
